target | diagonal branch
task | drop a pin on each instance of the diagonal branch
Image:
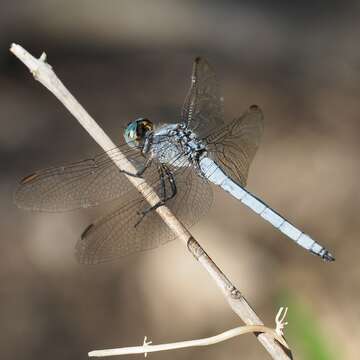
(44, 73)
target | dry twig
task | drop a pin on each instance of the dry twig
(277, 333)
(44, 73)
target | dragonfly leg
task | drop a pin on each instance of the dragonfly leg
(148, 210)
(140, 172)
(172, 183)
(164, 197)
(162, 182)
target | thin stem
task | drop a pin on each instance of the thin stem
(147, 347)
(44, 73)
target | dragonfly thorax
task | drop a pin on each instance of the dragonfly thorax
(177, 145)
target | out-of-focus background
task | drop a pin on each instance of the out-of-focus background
(125, 59)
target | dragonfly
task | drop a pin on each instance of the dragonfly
(179, 159)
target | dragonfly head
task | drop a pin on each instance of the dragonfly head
(135, 132)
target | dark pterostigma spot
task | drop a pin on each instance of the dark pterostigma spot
(28, 178)
(86, 231)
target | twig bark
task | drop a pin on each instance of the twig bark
(44, 73)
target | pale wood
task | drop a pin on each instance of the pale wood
(44, 73)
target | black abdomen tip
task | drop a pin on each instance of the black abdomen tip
(327, 256)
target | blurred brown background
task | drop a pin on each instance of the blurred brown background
(125, 59)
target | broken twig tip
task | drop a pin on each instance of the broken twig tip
(145, 344)
(279, 321)
(43, 57)
(13, 47)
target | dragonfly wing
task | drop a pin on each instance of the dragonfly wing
(78, 185)
(203, 108)
(116, 235)
(234, 146)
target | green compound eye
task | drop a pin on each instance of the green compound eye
(132, 134)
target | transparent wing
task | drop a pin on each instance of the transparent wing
(234, 146)
(115, 235)
(203, 108)
(77, 185)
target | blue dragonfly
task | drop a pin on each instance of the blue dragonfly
(178, 159)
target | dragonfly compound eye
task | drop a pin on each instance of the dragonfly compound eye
(143, 127)
(130, 134)
(134, 133)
